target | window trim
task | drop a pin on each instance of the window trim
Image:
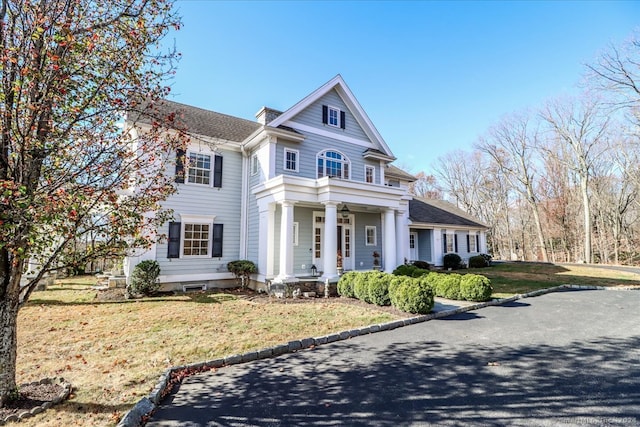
(343, 161)
(296, 230)
(373, 174)
(254, 164)
(448, 240)
(366, 235)
(189, 167)
(200, 220)
(284, 159)
(331, 108)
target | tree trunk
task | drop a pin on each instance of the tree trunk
(10, 276)
(587, 220)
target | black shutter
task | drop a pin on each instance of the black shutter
(455, 242)
(445, 243)
(477, 243)
(342, 119)
(180, 166)
(468, 247)
(325, 114)
(216, 248)
(217, 172)
(173, 250)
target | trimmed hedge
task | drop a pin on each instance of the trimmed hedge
(422, 264)
(448, 286)
(379, 289)
(345, 284)
(474, 287)
(410, 270)
(411, 295)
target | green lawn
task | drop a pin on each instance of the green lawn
(519, 277)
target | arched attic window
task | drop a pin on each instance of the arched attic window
(333, 164)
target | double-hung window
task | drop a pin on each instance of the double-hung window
(195, 236)
(196, 239)
(333, 116)
(450, 242)
(291, 160)
(369, 174)
(370, 235)
(333, 164)
(199, 171)
(200, 168)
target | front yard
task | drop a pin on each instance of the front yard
(114, 352)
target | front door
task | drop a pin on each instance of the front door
(344, 240)
(413, 246)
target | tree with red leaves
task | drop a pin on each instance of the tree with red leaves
(71, 71)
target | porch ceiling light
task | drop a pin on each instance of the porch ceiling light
(344, 211)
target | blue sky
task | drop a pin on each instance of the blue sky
(432, 76)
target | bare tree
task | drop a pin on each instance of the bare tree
(580, 125)
(511, 145)
(425, 186)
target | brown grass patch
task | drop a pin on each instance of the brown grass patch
(113, 352)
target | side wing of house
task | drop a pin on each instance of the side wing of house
(438, 228)
(208, 222)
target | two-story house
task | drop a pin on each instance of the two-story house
(307, 190)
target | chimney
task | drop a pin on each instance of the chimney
(266, 115)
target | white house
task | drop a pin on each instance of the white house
(292, 190)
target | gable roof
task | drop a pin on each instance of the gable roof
(397, 173)
(205, 122)
(431, 211)
(350, 101)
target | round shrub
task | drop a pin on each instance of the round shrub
(379, 289)
(411, 295)
(144, 278)
(404, 270)
(422, 265)
(448, 286)
(419, 272)
(452, 261)
(478, 261)
(475, 287)
(345, 284)
(361, 285)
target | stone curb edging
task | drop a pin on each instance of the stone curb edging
(66, 391)
(141, 411)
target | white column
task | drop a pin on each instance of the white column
(437, 250)
(286, 241)
(402, 238)
(330, 244)
(266, 239)
(389, 244)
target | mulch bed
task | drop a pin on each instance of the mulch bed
(40, 395)
(117, 294)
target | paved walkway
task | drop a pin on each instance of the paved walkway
(563, 359)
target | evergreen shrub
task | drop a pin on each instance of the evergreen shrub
(475, 287)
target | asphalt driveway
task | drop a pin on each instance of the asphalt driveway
(568, 358)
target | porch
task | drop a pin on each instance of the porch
(329, 224)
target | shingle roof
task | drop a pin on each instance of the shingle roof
(432, 211)
(395, 172)
(207, 123)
